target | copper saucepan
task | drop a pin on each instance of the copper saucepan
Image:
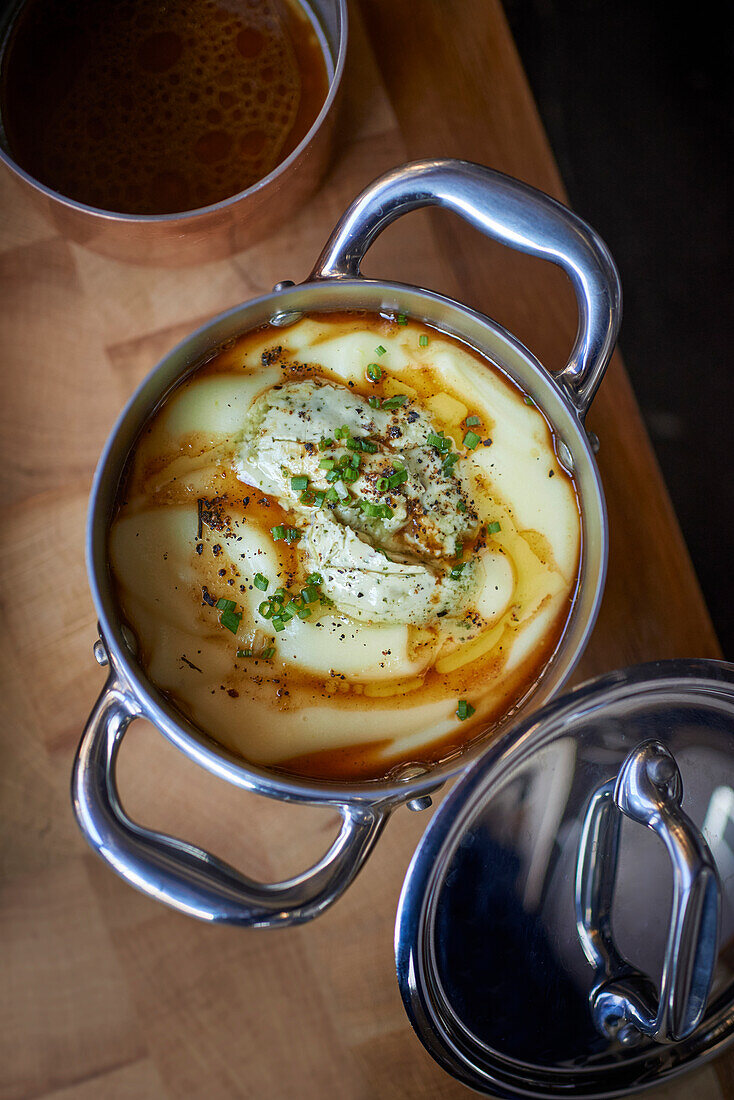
(226, 227)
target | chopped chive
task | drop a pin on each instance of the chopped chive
(325, 443)
(292, 534)
(370, 448)
(373, 402)
(379, 350)
(395, 402)
(472, 421)
(461, 507)
(307, 497)
(350, 474)
(397, 479)
(355, 461)
(338, 433)
(319, 498)
(304, 613)
(352, 444)
(225, 605)
(423, 340)
(310, 593)
(245, 653)
(386, 511)
(268, 653)
(333, 475)
(493, 528)
(278, 624)
(456, 571)
(299, 483)
(278, 597)
(369, 508)
(471, 439)
(267, 609)
(278, 532)
(331, 495)
(464, 710)
(383, 484)
(314, 578)
(260, 582)
(459, 550)
(441, 442)
(374, 372)
(528, 400)
(230, 621)
(327, 464)
(401, 319)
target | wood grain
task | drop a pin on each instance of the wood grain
(108, 995)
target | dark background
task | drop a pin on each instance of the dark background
(636, 99)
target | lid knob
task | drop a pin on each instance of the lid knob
(624, 1005)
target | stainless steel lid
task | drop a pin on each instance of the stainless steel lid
(566, 927)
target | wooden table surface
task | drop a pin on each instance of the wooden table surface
(107, 994)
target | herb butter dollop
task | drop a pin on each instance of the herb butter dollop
(384, 525)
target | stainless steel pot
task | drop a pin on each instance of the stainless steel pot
(176, 872)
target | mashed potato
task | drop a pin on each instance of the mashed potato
(346, 544)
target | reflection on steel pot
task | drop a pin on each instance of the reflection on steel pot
(193, 880)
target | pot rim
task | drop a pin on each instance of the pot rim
(150, 701)
(186, 217)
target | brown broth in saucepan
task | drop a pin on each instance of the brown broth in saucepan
(153, 107)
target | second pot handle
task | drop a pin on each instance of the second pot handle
(184, 876)
(508, 211)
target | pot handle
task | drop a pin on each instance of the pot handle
(623, 1001)
(512, 213)
(186, 877)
